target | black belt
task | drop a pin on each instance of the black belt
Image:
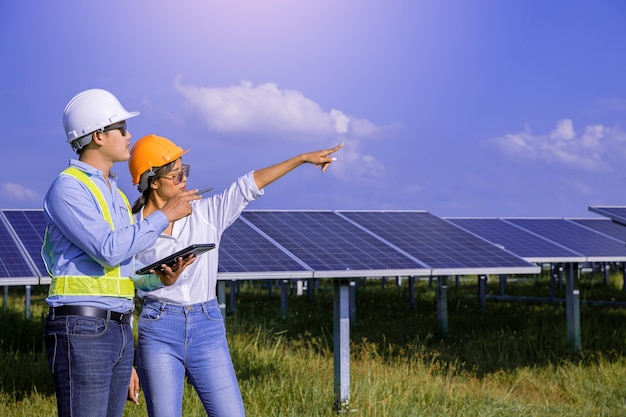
(87, 311)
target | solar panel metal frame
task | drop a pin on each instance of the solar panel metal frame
(33, 279)
(524, 267)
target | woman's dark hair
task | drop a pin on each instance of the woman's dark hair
(160, 171)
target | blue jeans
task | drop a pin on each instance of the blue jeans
(177, 340)
(91, 361)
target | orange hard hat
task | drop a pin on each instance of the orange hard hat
(151, 152)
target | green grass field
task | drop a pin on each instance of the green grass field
(510, 360)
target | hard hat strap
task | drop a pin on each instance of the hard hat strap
(80, 142)
(144, 180)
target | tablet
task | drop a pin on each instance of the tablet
(196, 249)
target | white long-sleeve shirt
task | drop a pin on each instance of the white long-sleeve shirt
(210, 217)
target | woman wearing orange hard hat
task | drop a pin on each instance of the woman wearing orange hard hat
(188, 305)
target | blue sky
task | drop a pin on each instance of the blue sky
(458, 107)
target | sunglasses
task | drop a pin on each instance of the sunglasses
(178, 177)
(122, 126)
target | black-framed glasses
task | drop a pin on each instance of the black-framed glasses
(122, 126)
(178, 176)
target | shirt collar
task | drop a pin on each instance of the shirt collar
(90, 169)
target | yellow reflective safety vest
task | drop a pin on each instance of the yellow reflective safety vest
(111, 284)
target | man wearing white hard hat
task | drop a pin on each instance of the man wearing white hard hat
(89, 245)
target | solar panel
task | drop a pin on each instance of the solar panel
(14, 267)
(332, 246)
(606, 226)
(439, 244)
(596, 246)
(527, 245)
(244, 251)
(30, 226)
(615, 213)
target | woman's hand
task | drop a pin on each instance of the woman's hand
(265, 176)
(169, 274)
(321, 158)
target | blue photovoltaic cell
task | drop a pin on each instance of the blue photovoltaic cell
(606, 226)
(615, 213)
(514, 239)
(242, 249)
(579, 239)
(326, 242)
(30, 227)
(12, 262)
(434, 241)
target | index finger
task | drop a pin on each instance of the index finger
(336, 148)
(191, 194)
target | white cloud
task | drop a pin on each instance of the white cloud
(598, 148)
(18, 192)
(564, 130)
(341, 121)
(266, 107)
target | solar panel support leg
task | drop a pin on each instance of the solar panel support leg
(5, 300)
(412, 291)
(232, 285)
(284, 298)
(442, 305)
(553, 273)
(309, 289)
(502, 284)
(352, 301)
(572, 302)
(341, 343)
(27, 306)
(482, 292)
(221, 297)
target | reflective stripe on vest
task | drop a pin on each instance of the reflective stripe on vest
(111, 283)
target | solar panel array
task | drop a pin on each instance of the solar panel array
(301, 244)
(550, 240)
(244, 252)
(14, 266)
(440, 245)
(344, 243)
(604, 226)
(30, 226)
(331, 246)
(522, 242)
(595, 246)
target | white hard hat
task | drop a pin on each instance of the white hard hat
(89, 111)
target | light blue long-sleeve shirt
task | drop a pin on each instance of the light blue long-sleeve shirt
(82, 242)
